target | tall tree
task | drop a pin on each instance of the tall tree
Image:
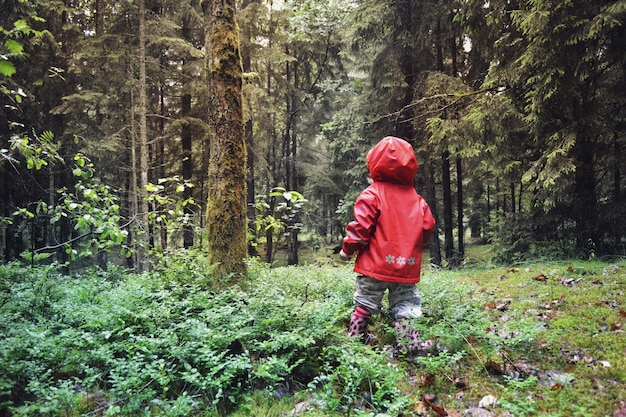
(142, 215)
(226, 205)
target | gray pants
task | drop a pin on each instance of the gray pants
(405, 301)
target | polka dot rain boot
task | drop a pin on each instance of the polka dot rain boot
(358, 325)
(408, 339)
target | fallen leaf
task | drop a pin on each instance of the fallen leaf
(415, 379)
(429, 398)
(420, 408)
(487, 401)
(570, 269)
(300, 407)
(520, 369)
(427, 379)
(439, 410)
(453, 413)
(616, 326)
(621, 410)
(513, 270)
(460, 382)
(541, 278)
(556, 387)
(503, 305)
(622, 313)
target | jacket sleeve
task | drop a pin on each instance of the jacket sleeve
(429, 223)
(360, 230)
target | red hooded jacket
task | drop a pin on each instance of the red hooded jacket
(392, 222)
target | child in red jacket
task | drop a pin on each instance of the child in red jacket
(392, 224)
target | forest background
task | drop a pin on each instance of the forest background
(109, 304)
(516, 110)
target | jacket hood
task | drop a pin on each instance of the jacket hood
(392, 160)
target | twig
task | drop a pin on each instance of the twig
(470, 345)
(306, 295)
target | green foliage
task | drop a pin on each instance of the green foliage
(520, 402)
(534, 235)
(357, 377)
(165, 341)
(169, 206)
(280, 217)
(38, 151)
(170, 343)
(12, 48)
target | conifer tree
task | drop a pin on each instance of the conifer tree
(226, 205)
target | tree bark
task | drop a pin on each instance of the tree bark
(246, 60)
(226, 205)
(459, 210)
(448, 243)
(435, 243)
(144, 236)
(187, 166)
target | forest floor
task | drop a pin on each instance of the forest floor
(557, 342)
(541, 339)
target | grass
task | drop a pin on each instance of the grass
(552, 344)
(543, 339)
(578, 310)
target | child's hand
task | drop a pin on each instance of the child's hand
(344, 256)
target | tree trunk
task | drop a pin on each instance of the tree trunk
(249, 135)
(459, 167)
(144, 236)
(448, 243)
(159, 157)
(99, 17)
(459, 209)
(617, 193)
(435, 243)
(187, 166)
(290, 151)
(133, 187)
(186, 143)
(292, 239)
(269, 235)
(585, 207)
(226, 205)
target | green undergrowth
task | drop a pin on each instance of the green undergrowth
(537, 340)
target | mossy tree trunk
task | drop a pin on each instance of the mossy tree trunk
(226, 205)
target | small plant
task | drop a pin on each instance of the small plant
(359, 379)
(518, 398)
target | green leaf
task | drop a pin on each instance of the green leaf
(6, 68)
(80, 161)
(14, 46)
(151, 188)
